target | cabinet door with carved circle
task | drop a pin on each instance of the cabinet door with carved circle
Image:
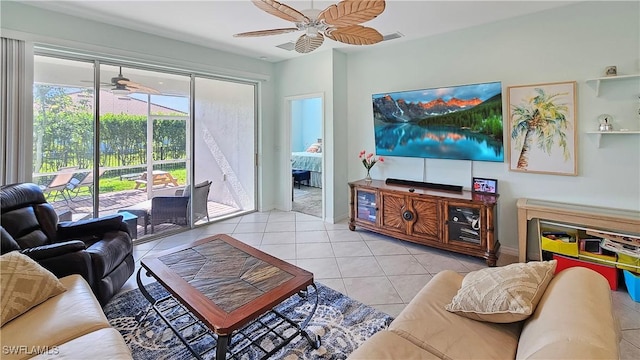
(426, 223)
(393, 206)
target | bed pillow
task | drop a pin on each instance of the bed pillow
(24, 284)
(503, 294)
(314, 148)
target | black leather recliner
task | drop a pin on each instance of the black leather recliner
(99, 249)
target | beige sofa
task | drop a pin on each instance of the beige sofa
(574, 319)
(70, 325)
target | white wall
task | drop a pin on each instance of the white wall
(306, 123)
(338, 128)
(32, 23)
(570, 43)
(299, 77)
(323, 72)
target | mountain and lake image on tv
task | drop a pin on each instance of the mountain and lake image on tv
(457, 122)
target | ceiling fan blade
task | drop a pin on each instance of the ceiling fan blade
(307, 44)
(135, 87)
(144, 90)
(351, 12)
(266, 32)
(354, 35)
(280, 10)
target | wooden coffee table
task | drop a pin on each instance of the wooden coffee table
(227, 284)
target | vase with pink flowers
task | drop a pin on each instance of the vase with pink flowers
(368, 160)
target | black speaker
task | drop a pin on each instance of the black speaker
(424, 185)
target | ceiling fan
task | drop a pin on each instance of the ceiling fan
(123, 86)
(339, 22)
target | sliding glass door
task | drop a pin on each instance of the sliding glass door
(143, 144)
(64, 133)
(126, 145)
(225, 144)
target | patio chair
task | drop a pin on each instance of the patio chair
(59, 184)
(75, 185)
(175, 209)
(172, 209)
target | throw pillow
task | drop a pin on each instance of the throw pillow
(24, 284)
(503, 294)
(314, 148)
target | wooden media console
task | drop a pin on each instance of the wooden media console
(461, 222)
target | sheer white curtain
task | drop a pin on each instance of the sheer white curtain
(16, 113)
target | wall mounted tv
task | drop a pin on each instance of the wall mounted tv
(457, 122)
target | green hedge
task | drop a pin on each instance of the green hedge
(63, 136)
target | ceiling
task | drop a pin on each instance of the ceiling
(212, 23)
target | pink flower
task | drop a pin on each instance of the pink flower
(368, 160)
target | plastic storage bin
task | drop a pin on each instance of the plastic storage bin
(560, 247)
(609, 272)
(597, 258)
(632, 280)
(626, 259)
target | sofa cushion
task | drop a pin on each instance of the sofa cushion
(24, 284)
(503, 294)
(385, 345)
(8, 242)
(64, 317)
(25, 228)
(104, 344)
(574, 319)
(425, 323)
(108, 253)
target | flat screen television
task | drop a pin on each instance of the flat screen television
(457, 122)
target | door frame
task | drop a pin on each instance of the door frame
(286, 145)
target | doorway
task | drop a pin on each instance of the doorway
(307, 154)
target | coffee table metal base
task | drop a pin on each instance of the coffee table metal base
(273, 322)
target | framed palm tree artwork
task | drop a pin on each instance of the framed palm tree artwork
(542, 128)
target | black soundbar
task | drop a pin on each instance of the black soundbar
(425, 185)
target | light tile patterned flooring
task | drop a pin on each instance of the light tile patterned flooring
(377, 270)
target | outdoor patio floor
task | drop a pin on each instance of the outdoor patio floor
(81, 207)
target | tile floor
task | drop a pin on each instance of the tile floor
(377, 270)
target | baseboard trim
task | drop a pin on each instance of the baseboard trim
(339, 218)
(509, 250)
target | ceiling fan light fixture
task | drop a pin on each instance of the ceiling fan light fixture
(312, 32)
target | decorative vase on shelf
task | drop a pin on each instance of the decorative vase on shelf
(368, 177)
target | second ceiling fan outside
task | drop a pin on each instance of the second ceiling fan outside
(339, 22)
(123, 85)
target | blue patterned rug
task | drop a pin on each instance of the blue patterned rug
(341, 322)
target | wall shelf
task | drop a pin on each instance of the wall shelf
(599, 80)
(613, 132)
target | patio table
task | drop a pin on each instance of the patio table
(159, 178)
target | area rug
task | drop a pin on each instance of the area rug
(341, 322)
